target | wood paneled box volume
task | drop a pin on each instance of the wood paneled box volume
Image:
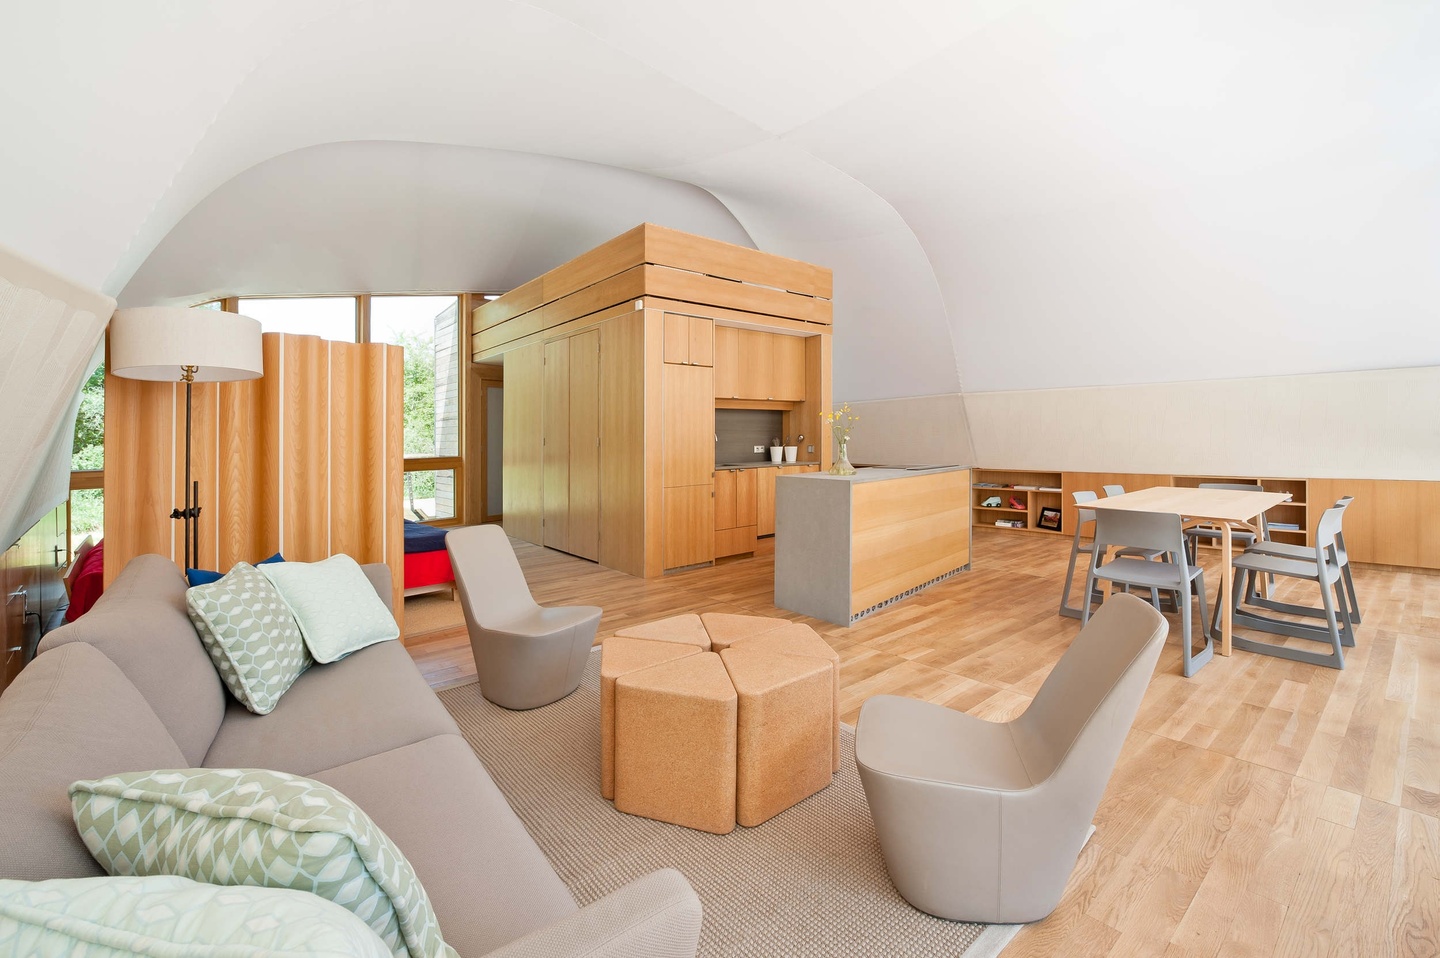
(612, 457)
(306, 461)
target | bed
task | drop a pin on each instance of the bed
(427, 564)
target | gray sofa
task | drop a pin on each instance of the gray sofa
(129, 687)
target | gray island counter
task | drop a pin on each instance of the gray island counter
(846, 546)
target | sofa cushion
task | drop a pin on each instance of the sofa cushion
(486, 877)
(165, 916)
(370, 702)
(233, 826)
(335, 604)
(141, 625)
(70, 714)
(250, 635)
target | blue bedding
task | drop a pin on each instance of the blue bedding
(422, 538)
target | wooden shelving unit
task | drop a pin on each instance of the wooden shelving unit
(1295, 512)
(1045, 493)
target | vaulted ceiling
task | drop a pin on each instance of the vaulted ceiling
(1012, 194)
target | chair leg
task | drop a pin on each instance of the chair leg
(1194, 661)
(1089, 589)
(1350, 588)
(1066, 609)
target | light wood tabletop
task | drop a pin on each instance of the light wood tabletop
(1225, 508)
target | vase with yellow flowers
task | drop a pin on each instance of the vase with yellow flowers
(841, 421)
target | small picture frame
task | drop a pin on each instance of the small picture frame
(1049, 519)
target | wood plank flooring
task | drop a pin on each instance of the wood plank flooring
(1263, 807)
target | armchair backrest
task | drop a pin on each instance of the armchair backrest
(491, 583)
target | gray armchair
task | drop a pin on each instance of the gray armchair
(526, 656)
(983, 821)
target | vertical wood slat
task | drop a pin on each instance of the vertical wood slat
(305, 456)
(622, 457)
(523, 454)
(306, 460)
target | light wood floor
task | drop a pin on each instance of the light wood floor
(1261, 808)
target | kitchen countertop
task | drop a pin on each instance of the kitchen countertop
(880, 473)
(722, 466)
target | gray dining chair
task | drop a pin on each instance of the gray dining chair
(1084, 517)
(1321, 566)
(1291, 550)
(1207, 533)
(983, 821)
(526, 656)
(1111, 491)
(1164, 533)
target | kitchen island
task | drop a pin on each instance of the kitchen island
(846, 546)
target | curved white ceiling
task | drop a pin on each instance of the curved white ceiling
(1013, 194)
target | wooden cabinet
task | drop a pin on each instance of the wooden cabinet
(688, 533)
(788, 376)
(736, 510)
(765, 500)
(583, 523)
(555, 445)
(523, 452)
(30, 573)
(750, 364)
(687, 465)
(688, 340)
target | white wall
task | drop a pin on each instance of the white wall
(920, 430)
(1382, 424)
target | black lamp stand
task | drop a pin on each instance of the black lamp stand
(191, 512)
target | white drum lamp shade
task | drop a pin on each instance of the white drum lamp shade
(157, 342)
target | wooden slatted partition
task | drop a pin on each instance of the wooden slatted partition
(306, 461)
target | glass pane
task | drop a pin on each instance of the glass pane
(213, 304)
(87, 515)
(88, 450)
(329, 317)
(430, 495)
(428, 327)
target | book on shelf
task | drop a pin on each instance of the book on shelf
(1020, 488)
(1286, 526)
(1010, 523)
(1050, 489)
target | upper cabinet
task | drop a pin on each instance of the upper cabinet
(688, 340)
(750, 364)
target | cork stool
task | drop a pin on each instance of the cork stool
(675, 726)
(783, 749)
(619, 656)
(796, 638)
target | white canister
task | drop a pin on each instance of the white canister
(775, 452)
(790, 453)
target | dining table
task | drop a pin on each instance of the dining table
(1226, 509)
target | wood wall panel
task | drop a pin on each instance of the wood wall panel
(306, 460)
(1391, 522)
(584, 519)
(523, 452)
(555, 420)
(305, 450)
(139, 470)
(622, 450)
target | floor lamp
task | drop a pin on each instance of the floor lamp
(176, 344)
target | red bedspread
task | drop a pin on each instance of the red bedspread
(427, 568)
(88, 583)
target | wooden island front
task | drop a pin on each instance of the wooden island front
(846, 546)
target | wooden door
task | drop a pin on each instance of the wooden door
(523, 450)
(702, 341)
(765, 500)
(622, 444)
(745, 496)
(584, 516)
(556, 445)
(789, 375)
(727, 362)
(726, 507)
(689, 526)
(688, 425)
(756, 365)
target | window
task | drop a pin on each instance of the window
(428, 328)
(87, 462)
(429, 494)
(329, 317)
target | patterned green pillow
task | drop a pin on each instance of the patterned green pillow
(169, 917)
(232, 826)
(251, 635)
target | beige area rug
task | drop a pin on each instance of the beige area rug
(809, 882)
(434, 612)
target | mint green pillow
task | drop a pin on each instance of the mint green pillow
(232, 826)
(171, 917)
(251, 635)
(335, 604)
